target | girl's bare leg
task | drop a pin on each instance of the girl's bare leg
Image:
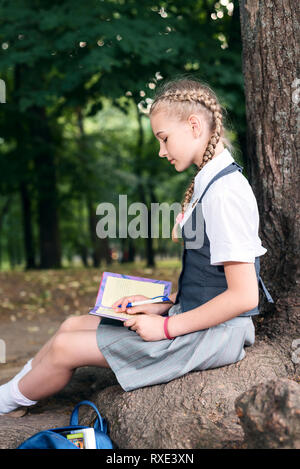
(73, 345)
(73, 323)
(54, 367)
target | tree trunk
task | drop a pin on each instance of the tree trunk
(26, 205)
(270, 36)
(50, 249)
(131, 250)
(235, 45)
(27, 227)
(100, 247)
(96, 242)
(4, 210)
(150, 256)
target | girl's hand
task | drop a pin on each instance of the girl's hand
(154, 308)
(150, 327)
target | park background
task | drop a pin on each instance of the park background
(74, 133)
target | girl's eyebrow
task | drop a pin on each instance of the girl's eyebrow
(157, 133)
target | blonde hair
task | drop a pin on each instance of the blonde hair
(182, 97)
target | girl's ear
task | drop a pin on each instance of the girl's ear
(196, 125)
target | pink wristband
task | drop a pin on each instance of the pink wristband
(166, 328)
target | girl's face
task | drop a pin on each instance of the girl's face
(183, 143)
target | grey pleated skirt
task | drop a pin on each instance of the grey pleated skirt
(137, 363)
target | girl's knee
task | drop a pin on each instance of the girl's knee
(72, 323)
(60, 349)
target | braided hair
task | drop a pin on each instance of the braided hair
(181, 98)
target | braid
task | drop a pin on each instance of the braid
(195, 94)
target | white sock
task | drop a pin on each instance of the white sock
(18, 397)
(10, 395)
(26, 368)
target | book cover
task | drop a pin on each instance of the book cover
(114, 286)
(83, 439)
(77, 439)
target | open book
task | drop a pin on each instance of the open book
(115, 286)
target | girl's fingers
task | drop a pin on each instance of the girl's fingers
(130, 310)
(116, 303)
(123, 302)
(132, 325)
(133, 310)
(129, 323)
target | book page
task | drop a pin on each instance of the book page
(116, 288)
(110, 312)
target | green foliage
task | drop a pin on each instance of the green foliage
(75, 73)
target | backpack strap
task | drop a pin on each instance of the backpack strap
(100, 423)
(265, 290)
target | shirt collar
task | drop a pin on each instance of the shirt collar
(211, 169)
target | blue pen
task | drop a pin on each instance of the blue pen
(155, 299)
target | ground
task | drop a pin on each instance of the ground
(33, 305)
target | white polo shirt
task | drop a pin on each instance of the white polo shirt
(230, 212)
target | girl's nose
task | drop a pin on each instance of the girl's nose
(162, 152)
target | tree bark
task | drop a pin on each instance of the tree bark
(27, 227)
(5, 210)
(270, 37)
(26, 205)
(100, 247)
(50, 248)
(150, 256)
(97, 253)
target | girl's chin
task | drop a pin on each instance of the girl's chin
(180, 166)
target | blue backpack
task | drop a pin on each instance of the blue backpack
(55, 439)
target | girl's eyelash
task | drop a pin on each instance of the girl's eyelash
(165, 139)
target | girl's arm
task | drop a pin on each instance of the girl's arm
(154, 308)
(173, 297)
(241, 296)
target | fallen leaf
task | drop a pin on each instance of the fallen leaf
(33, 328)
(16, 414)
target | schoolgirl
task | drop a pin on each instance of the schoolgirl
(210, 323)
